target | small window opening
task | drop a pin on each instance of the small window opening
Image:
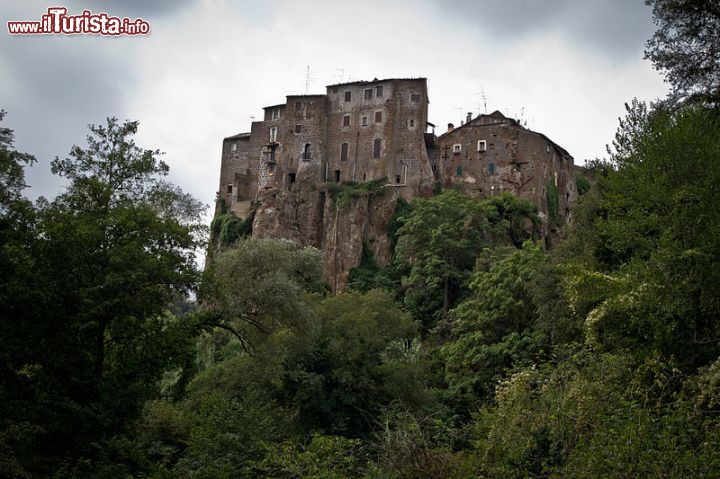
(491, 168)
(368, 94)
(275, 114)
(344, 152)
(457, 148)
(291, 180)
(378, 117)
(337, 176)
(348, 96)
(458, 171)
(415, 97)
(346, 120)
(397, 179)
(379, 92)
(306, 154)
(364, 121)
(298, 128)
(229, 188)
(481, 145)
(233, 147)
(273, 134)
(411, 122)
(377, 144)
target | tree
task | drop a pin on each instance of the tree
(686, 46)
(441, 238)
(90, 294)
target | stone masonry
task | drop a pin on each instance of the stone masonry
(365, 131)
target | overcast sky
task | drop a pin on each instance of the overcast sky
(209, 66)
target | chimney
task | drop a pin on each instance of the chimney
(451, 127)
(469, 117)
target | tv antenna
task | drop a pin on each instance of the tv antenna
(308, 79)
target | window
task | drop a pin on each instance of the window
(298, 128)
(273, 134)
(233, 147)
(298, 106)
(411, 123)
(458, 171)
(415, 97)
(291, 178)
(491, 146)
(491, 168)
(229, 188)
(337, 176)
(346, 120)
(306, 154)
(368, 94)
(379, 91)
(348, 96)
(364, 121)
(272, 154)
(457, 148)
(344, 152)
(378, 117)
(276, 114)
(482, 145)
(397, 179)
(377, 145)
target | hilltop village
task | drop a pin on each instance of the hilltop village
(280, 173)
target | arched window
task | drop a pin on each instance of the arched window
(306, 152)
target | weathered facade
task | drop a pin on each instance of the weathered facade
(374, 131)
(490, 154)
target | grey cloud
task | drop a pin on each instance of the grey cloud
(59, 85)
(616, 29)
(133, 8)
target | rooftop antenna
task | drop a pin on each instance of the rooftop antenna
(484, 99)
(308, 79)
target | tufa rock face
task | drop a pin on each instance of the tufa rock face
(327, 170)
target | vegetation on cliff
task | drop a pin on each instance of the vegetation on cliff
(475, 353)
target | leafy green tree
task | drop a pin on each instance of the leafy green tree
(259, 285)
(90, 294)
(440, 240)
(685, 46)
(495, 330)
(356, 357)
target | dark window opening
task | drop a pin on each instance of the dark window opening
(397, 179)
(491, 168)
(298, 106)
(344, 152)
(229, 188)
(306, 154)
(368, 94)
(337, 176)
(378, 116)
(348, 95)
(272, 153)
(379, 91)
(458, 171)
(291, 180)
(364, 121)
(377, 144)
(492, 146)
(298, 128)
(415, 97)
(346, 120)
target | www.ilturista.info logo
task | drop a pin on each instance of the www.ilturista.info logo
(58, 22)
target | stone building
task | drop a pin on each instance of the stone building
(281, 171)
(490, 154)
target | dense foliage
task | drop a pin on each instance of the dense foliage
(475, 353)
